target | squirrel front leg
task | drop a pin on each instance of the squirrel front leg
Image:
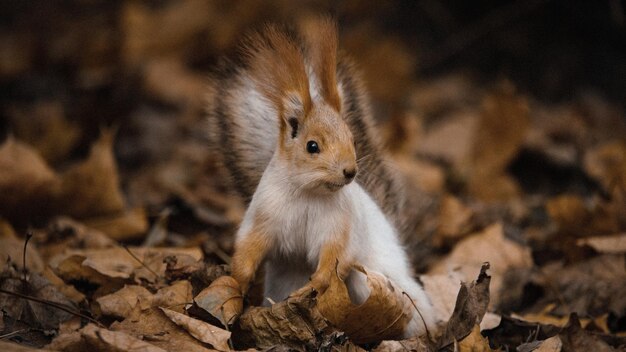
(249, 254)
(333, 256)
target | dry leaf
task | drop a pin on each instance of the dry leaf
(552, 344)
(576, 339)
(101, 265)
(175, 296)
(14, 347)
(491, 246)
(12, 248)
(205, 332)
(121, 304)
(26, 181)
(106, 340)
(607, 164)
(454, 221)
(471, 305)
(34, 315)
(474, 342)
(129, 225)
(294, 322)
(222, 299)
(413, 345)
(605, 244)
(383, 316)
(91, 188)
(154, 326)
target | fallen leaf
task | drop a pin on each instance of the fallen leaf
(128, 225)
(499, 135)
(413, 345)
(454, 221)
(576, 339)
(14, 347)
(471, 306)
(222, 299)
(491, 246)
(26, 181)
(605, 244)
(154, 326)
(474, 342)
(100, 265)
(12, 250)
(205, 332)
(175, 296)
(106, 340)
(607, 164)
(383, 316)
(92, 188)
(121, 304)
(552, 344)
(295, 322)
(36, 315)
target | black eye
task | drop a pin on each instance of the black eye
(312, 147)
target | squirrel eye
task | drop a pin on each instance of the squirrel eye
(312, 147)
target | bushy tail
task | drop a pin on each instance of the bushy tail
(244, 127)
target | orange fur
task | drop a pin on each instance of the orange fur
(333, 257)
(320, 36)
(277, 65)
(249, 254)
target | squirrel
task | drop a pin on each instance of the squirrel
(289, 123)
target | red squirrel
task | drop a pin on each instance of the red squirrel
(291, 112)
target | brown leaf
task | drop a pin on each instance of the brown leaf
(96, 338)
(499, 136)
(12, 248)
(100, 266)
(605, 244)
(91, 188)
(474, 342)
(491, 246)
(14, 347)
(384, 315)
(26, 181)
(471, 305)
(454, 221)
(576, 339)
(121, 304)
(413, 345)
(205, 332)
(552, 344)
(607, 164)
(222, 299)
(294, 322)
(175, 296)
(128, 225)
(36, 315)
(153, 325)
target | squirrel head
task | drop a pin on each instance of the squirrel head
(317, 146)
(298, 77)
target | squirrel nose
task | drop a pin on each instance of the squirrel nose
(349, 173)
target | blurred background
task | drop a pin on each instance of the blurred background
(480, 103)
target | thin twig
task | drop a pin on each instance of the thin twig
(52, 304)
(420, 314)
(13, 333)
(140, 261)
(29, 235)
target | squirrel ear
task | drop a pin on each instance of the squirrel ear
(293, 112)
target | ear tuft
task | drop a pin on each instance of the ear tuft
(293, 122)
